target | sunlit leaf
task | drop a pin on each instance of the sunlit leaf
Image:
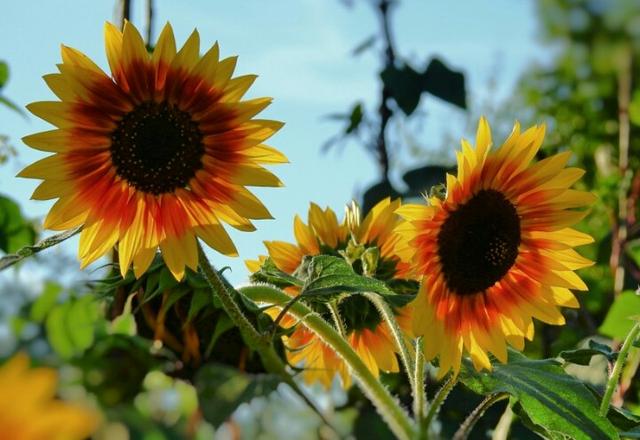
(558, 404)
(617, 324)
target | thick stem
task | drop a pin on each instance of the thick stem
(502, 429)
(419, 390)
(465, 429)
(149, 22)
(612, 383)
(400, 340)
(384, 110)
(438, 400)
(396, 418)
(337, 319)
(252, 337)
(125, 12)
(27, 251)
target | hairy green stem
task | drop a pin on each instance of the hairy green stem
(337, 319)
(438, 400)
(612, 383)
(262, 344)
(419, 391)
(401, 342)
(465, 429)
(394, 415)
(27, 251)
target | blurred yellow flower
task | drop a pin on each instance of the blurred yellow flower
(29, 410)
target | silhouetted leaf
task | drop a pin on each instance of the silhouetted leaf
(365, 45)
(377, 192)
(405, 85)
(420, 180)
(444, 83)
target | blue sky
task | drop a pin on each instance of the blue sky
(301, 51)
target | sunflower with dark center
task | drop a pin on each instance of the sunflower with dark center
(369, 336)
(154, 156)
(497, 251)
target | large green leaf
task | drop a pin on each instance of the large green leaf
(618, 321)
(269, 273)
(222, 389)
(15, 231)
(71, 326)
(555, 403)
(329, 277)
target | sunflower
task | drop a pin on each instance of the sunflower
(498, 250)
(156, 155)
(28, 409)
(369, 336)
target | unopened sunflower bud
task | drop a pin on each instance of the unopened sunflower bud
(370, 258)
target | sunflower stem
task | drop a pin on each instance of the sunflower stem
(27, 251)
(401, 342)
(419, 390)
(465, 428)
(438, 400)
(337, 319)
(392, 413)
(272, 362)
(612, 383)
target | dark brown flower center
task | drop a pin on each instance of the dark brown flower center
(478, 242)
(157, 148)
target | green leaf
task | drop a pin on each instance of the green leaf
(330, 277)
(618, 322)
(58, 334)
(444, 83)
(15, 231)
(405, 85)
(4, 73)
(45, 302)
(634, 108)
(556, 403)
(269, 273)
(582, 356)
(81, 318)
(222, 389)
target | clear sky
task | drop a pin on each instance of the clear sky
(301, 49)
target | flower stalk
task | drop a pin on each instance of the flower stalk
(394, 415)
(612, 383)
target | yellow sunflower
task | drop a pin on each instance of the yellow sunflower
(369, 336)
(29, 411)
(498, 250)
(155, 155)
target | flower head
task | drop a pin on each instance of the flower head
(372, 247)
(29, 411)
(498, 250)
(155, 155)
